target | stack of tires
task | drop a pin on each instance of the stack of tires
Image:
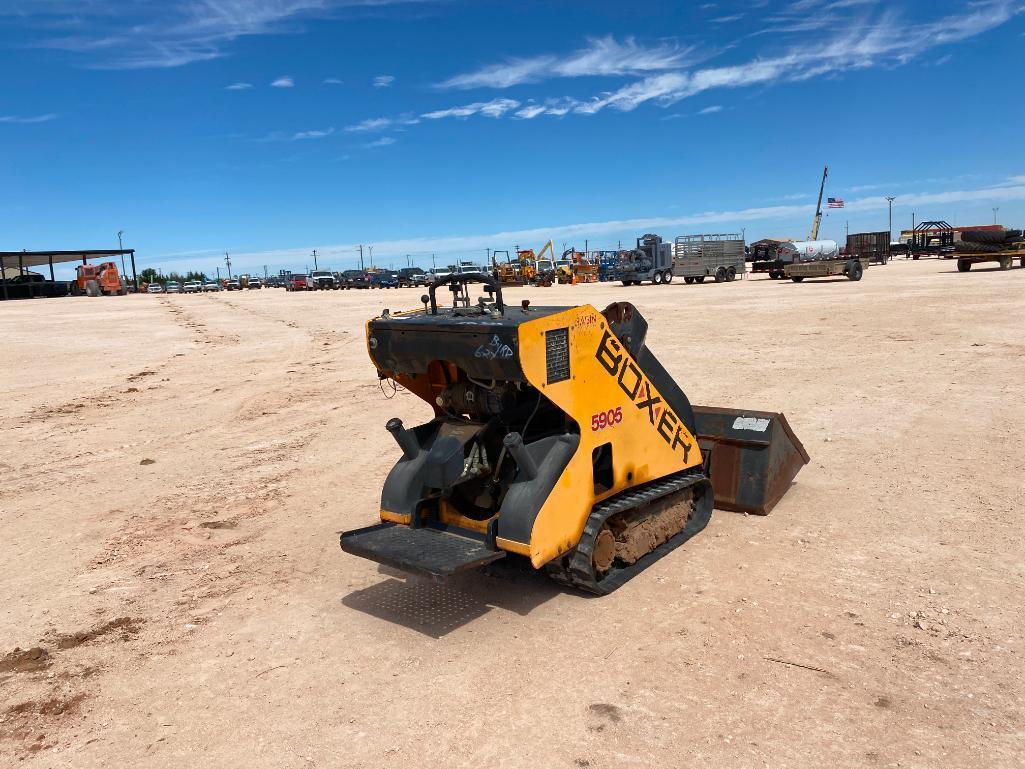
(989, 242)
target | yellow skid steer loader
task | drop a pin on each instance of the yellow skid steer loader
(558, 437)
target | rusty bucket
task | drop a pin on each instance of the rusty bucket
(754, 457)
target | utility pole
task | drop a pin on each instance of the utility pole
(121, 248)
(265, 272)
(315, 259)
(995, 214)
(218, 273)
(889, 202)
(846, 229)
(371, 257)
(361, 257)
(434, 262)
(227, 260)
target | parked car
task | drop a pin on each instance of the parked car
(154, 288)
(408, 276)
(191, 287)
(298, 283)
(172, 287)
(211, 285)
(233, 285)
(321, 279)
(384, 280)
(255, 283)
(356, 279)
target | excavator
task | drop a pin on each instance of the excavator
(557, 437)
(537, 270)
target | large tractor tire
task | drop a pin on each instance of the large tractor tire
(854, 270)
(963, 265)
(92, 288)
(688, 281)
(720, 275)
(983, 236)
(731, 274)
(699, 279)
(1005, 262)
(797, 278)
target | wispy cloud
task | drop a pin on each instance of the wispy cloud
(285, 81)
(494, 109)
(29, 118)
(384, 141)
(112, 34)
(727, 19)
(332, 81)
(238, 87)
(602, 56)
(315, 134)
(372, 124)
(887, 41)
(711, 110)
(384, 81)
(383, 123)
(786, 214)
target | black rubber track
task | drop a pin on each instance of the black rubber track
(576, 568)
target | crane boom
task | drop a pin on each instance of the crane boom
(818, 209)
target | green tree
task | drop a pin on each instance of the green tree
(149, 275)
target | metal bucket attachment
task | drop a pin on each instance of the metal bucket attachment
(754, 457)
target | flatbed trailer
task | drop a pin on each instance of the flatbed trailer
(852, 267)
(1004, 258)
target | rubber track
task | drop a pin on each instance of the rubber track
(576, 570)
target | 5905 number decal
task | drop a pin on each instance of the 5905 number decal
(604, 419)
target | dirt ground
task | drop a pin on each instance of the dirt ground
(175, 470)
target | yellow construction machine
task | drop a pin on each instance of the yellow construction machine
(537, 270)
(557, 437)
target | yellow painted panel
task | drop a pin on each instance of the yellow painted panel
(613, 402)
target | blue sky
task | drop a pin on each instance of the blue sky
(268, 128)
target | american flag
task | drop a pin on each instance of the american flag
(835, 202)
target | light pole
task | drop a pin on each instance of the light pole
(371, 256)
(889, 203)
(227, 261)
(121, 248)
(995, 214)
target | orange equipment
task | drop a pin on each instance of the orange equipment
(99, 279)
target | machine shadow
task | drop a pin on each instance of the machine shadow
(435, 609)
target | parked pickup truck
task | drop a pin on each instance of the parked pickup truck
(356, 279)
(411, 276)
(321, 279)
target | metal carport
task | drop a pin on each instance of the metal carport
(24, 260)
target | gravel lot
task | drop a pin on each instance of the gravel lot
(175, 470)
